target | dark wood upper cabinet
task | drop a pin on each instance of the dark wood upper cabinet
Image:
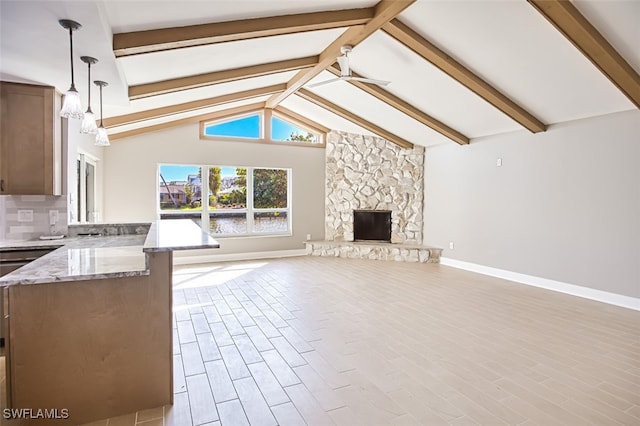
(30, 140)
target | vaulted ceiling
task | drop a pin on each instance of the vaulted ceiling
(459, 70)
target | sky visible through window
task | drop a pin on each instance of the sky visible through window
(249, 127)
(179, 173)
(281, 130)
(245, 127)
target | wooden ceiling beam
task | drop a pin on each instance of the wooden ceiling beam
(140, 42)
(348, 115)
(405, 107)
(257, 106)
(587, 39)
(191, 106)
(201, 80)
(385, 11)
(464, 76)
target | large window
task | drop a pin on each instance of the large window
(227, 200)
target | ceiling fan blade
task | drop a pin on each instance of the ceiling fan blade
(322, 83)
(371, 80)
(343, 61)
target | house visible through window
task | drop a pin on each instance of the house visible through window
(238, 200)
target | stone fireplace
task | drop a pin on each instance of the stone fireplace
(371, 173)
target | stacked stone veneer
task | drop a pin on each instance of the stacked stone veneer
(363, 250)
(366, 172)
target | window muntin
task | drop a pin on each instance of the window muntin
(242, 200)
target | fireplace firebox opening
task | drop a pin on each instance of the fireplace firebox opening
(372, 225)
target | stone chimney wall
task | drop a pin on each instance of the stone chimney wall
(366, 172)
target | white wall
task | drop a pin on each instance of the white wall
(130, 176)
(564, 206)
(77, 143)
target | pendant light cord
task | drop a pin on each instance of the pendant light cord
(89, 87)
(73, 86)
(101, 106)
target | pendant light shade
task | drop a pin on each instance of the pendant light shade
(89, 121)
(72, 107)
(102, 139)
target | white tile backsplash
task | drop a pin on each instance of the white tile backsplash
(11, 229)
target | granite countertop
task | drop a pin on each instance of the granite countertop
(97, 257)
(34, 244)
(177, 234)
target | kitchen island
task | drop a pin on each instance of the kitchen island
(89, 325)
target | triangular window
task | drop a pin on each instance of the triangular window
(243, 127)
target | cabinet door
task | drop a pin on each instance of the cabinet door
(30, 140)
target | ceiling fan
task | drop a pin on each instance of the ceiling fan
(345, 71)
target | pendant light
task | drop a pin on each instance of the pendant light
(89, 121)
(72, 107)
(101, 138)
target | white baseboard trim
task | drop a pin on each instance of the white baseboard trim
(230, 257)
(575, 290)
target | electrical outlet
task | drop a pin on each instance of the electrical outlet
(499, 162)
(25, 215)
(53, 217)
(451, 245)
(308, 237)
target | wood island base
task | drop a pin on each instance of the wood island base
(95, 348)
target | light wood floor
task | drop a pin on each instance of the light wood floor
(323, 341)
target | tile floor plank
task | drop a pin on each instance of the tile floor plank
(247, 350)
(178, 414)
(253, 402)
(288, 352)
(208, 348)
(186, 334)
(192, 359)
(287, 415)
(258, 338)
(231, 413)
(307, 405)
(234, 362)
(268, 384)
(203, 408)
(220, 382)
(324, 340)
(281, 370)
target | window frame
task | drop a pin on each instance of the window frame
(265, 126)
(81, 187)
(248, 211)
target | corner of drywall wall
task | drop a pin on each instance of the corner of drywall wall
(562, 205)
